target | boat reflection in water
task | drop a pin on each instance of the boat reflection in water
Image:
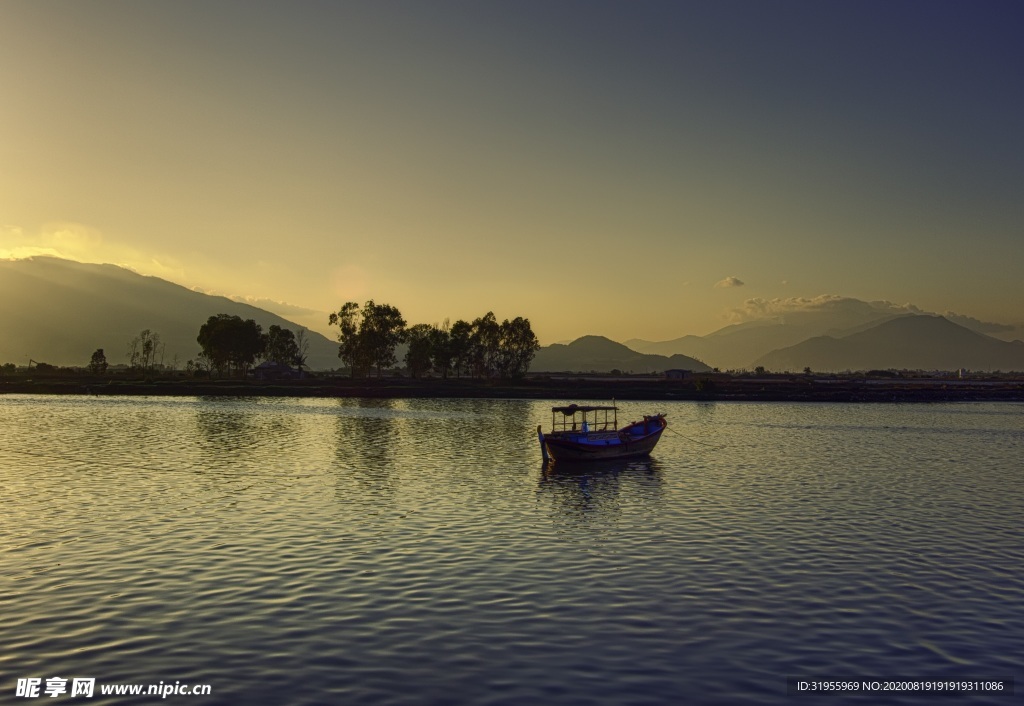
(584, 492)
(589, 433)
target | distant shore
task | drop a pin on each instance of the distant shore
(717, 387)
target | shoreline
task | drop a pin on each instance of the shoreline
(717, 388)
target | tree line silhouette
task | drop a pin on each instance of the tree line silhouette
(369, 335)
(232, 345)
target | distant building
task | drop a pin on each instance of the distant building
(271, 370)
(678, 374)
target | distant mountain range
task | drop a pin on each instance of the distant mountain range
(738, 345)
(599, 354)
(60, 311)
(749, 344)
(905, 342)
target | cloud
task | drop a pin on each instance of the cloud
(978, 325)
(75, 239)
(72, 241)
(729, 282)
(758, 308)
(83, 243)
(15, 244)
(844, 311)
(284, 309)
(312, 319)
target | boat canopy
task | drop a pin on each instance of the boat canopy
(584, 418)
(574, 408)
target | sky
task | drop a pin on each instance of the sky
(642, 169)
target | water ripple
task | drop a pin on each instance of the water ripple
(416, 551)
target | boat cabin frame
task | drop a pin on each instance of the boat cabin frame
(583, 418)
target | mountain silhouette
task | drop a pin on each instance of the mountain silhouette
(915, 342)
(732, 347)
(776, 325)
(740, 345)
(602, 355)
(59, 311)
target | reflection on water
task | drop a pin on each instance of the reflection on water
(597, 490)
(314, 551)
(366, 437)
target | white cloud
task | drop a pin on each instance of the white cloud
(280, 308)
(73, 241)
(987, 327)
(759, 308)
(844, 310)
(83, 243)
(15, 244)
(729, 282)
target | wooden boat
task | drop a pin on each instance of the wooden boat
(591, 433)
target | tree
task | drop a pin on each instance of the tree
(351, 346)
(229, 342)
(441, 349)
(459, 346)
(486, 348)
(430, 349)
(367, 337)
(301, 349)
(280, 345)
(142, 350)
(419, 357)
(384, 326)
(484, 345)
(517, 345)
(98, 363)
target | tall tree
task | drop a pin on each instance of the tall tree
(301, 349)
(142, 350)
(419, 357)
(280, 345)
(484, 345)
(459, 346)
(368, 336)
(229, 342)
(98, 362)
(385, 328)
(517, 344)
(441, 348)
(352, 347)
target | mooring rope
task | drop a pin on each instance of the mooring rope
(696, 441)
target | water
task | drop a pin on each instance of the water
(301, 551)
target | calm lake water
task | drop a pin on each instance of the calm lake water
(304, 551)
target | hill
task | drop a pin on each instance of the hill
(60, 311)
(733, 347)
(916, 342)
(599, 354)
(783, 323)
(739, 345)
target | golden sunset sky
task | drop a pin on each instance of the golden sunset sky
(629, 169)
